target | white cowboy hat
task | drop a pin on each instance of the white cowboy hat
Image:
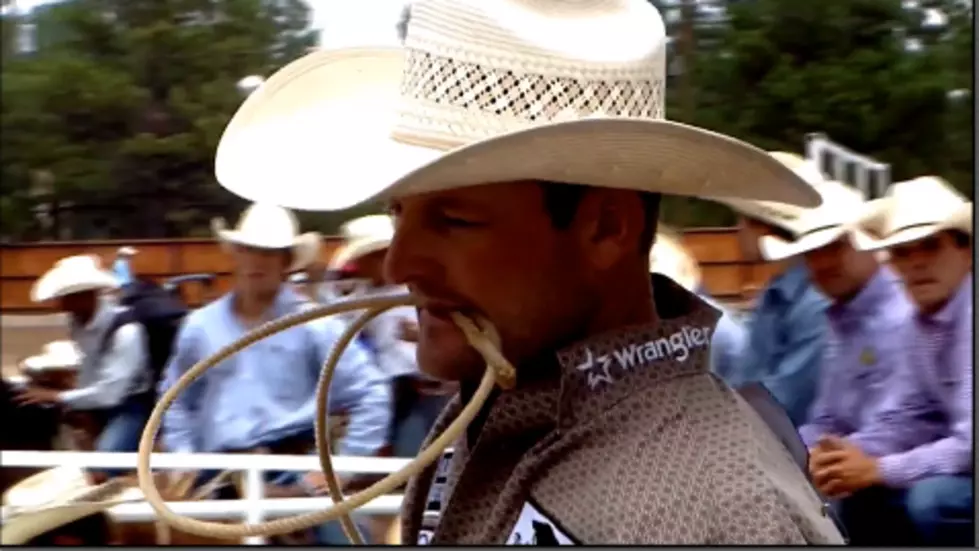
(73, 274)
(56, 497)
(671, 258)
(836, 217)
(483, 92)
(56, 355)
(915, 209)
(781, 215)
(267, 226)
(127, 251)
(364, 235)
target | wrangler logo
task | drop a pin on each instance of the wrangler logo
(673, 347)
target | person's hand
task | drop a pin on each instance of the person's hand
(314, 483)
(37, 395)
(408, 331)
(839, 468)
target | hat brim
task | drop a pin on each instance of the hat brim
(774, 248)
(961, 221)
(55, 284)
(320, 116)
(305, 248)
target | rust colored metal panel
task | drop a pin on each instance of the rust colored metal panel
(726, 275)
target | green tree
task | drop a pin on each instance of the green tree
(835, 66)
(127, 106)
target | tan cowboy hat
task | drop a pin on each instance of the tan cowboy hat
(267, 226)
(54, 498)
(73, 274)
(816, 228)
(780, 215)
(364, 235)
(56, 355)
(671, 258)
(915, 209)
(453, 108)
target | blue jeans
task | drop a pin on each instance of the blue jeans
(937, 510)
(123, 429)
(942, 511)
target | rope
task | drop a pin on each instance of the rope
(480, 335)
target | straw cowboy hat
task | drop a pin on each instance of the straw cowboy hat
(54, 498)
(837, 217)
(484, 92)
(56, 355)
(73, 274)
(267, 226)
(916, 209)
(671, 258)
(363, 236)
(780, 215)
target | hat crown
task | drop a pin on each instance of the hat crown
(842, 205)
(81, 262)
(476, 69)
(366, 227)
(921, 201)
(270, 225)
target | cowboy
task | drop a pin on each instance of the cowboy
(114, 379)
(917, 450)
(868, 313)
(670, 258)
(264, 398)
(120, 266)
(787, 327)
(524, 171)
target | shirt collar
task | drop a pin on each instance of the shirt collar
(956, 306)
(791, 283)
(285, 302)
(581, 381)
(103, 312)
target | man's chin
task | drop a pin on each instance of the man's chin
(449, 361)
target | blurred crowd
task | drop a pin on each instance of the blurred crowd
(864, 337)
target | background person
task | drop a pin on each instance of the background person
(787, 326)
(114, 378)
(914, 462)
(262, 400)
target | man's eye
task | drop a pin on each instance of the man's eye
(454, 222)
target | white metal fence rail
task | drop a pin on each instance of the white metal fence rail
(845, 165)
(253, 509)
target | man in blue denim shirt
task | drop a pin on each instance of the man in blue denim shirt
(787, 329)
(263, 398)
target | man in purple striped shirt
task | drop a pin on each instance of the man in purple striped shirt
(914, 461)
(869, 311)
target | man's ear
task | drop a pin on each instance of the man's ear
(610, 225)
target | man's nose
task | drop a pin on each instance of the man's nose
(402, 263)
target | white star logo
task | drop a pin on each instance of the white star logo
(601, 375)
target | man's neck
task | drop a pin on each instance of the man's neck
(864, 282)
(627, 303)
(251, 307)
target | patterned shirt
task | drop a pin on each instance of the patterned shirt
(866, 346)
(924, 428)
(624, 438)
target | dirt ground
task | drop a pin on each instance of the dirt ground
(22, 336)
